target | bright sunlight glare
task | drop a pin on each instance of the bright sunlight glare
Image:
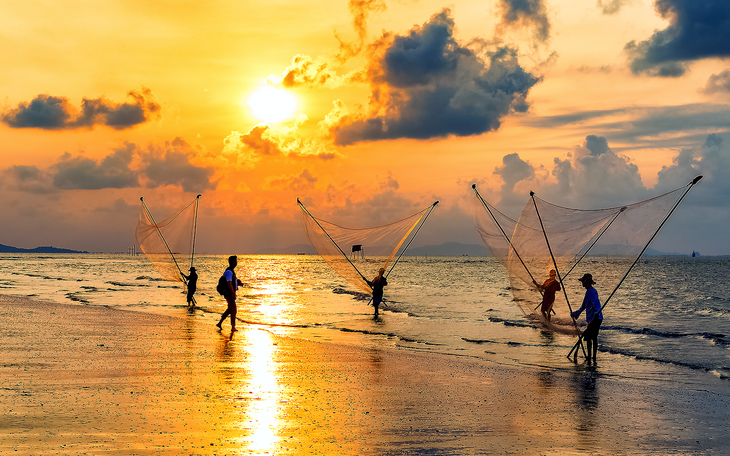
(272, 105)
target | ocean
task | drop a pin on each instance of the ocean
(669, 322)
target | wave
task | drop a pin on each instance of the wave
(520, 324)
(694, 366)
(359, 295)
(716, 338)
(122, 284)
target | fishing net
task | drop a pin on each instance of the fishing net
(170, 244)
(358, 254)
(603, 242)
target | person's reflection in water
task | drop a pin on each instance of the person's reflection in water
(226, 356)
(587, 401)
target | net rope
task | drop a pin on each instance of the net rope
(170, 244)
(602, 242)
(357, 254)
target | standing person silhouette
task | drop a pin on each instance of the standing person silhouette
(192, 280)
(377, 285)
(549, 288)
(228, 290)
(594, 317)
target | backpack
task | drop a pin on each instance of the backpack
(222, 287)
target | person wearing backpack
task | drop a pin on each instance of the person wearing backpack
(227, 286)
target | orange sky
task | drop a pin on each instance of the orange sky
(400, 103)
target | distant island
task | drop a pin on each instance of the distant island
(48, 249)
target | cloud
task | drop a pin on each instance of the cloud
(512, 171)
(29, 179)
(609, 7)
(304, 71)
(697, 30)
(718, 83)
(244, 150)
(712, 160)
(360, 10)
(303, 181)
(171, 166)
(55, 113)
(308, 72)
(425, 84)
(648, 126)
(526, 13)
(124, 167)
(80, 173)
(592, 175)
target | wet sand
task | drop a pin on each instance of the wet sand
(93, 380)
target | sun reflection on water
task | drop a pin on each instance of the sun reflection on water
(262, 417)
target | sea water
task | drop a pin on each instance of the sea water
(669, 322)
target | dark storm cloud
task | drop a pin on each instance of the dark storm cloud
(718, 83)
(425, 84)
(80, 173)
(56, 113)
(697, 30)
(526, 13)
(171, 166)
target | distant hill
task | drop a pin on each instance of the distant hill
(49, 249)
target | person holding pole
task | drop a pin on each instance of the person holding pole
(192, 283)
(594, 316)
(549, 288)
(377, 285)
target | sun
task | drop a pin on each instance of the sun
(272, 105)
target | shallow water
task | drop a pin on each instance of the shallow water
(670, 321)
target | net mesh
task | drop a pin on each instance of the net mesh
(358, 254)
(602, 242)
(169, 244)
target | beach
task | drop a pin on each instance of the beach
(94, 380)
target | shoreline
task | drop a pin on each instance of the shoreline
(110, 381)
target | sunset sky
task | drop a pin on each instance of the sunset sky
(400, 103)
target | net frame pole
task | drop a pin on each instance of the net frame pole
(330, 238)
(195, 230)
(433, 206)
(509, 241)
(636, 260)
(555, 265)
